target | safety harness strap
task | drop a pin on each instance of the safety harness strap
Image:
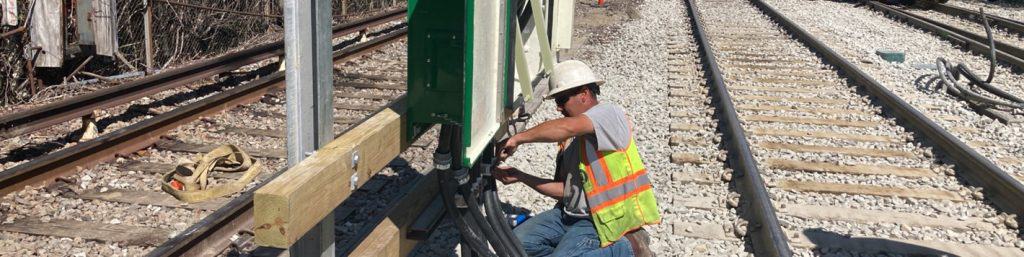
(189, 182)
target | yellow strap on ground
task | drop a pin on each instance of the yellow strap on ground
(194, 176)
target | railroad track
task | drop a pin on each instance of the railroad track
(840, 173)
(968, 123)
(26, 121)
(118, 205)
(704, 209)
(972, 36)
(1011, 25)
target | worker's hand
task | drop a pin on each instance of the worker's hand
(508, 148)
(506, 174)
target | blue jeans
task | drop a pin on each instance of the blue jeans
(551, 233)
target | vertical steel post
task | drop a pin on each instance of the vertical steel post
(147, 24)
(309, 78)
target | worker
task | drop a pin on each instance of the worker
(604, 193)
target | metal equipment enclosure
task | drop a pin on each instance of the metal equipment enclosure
(459, 68)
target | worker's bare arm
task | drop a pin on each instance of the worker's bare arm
(548, 187)
(557, 130)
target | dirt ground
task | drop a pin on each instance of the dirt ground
(594, 24)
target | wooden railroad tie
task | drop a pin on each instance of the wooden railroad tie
(854, 151)
(834, 188)
(838, 213)
(677, 140)
(145, 198)
(821, 134)
(90, 230)
(679, 126)
(789, 81)
(787, 89)
(857, 169)
(811, 121)
(801, 109)
(687, 158)
(814, 100)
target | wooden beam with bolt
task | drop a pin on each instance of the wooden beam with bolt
(305, 194)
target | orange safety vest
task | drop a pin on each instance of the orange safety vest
(619, 192)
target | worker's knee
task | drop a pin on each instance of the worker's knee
(540, 234)
(547, 225)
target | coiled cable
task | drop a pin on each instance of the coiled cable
(949, 76)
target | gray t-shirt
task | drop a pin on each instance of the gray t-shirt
(611, 132)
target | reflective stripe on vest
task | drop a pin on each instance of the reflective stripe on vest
(618, 190)
(614, 193)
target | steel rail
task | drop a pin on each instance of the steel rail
(1001, 46)
(975, 42)
(1006, 23)
(212, 233)
(141, 135)
(1005, 191)
(27, 121)
(766, 232)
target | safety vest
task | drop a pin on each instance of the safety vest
(618, 190)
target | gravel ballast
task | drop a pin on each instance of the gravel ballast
(726, 31)
(856, 33)
(1005, 9)
(57, 202)
(637, 59)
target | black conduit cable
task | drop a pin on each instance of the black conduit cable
(991, 46)
(504, 227)
(467, 189)
(496, 218)
(471, 238)
(458, 182)
(449, 145)
(489, 217)
(949, 75)
(478, 217)
(470, 192)
(986, 86)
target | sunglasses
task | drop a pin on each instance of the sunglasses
(562, 98)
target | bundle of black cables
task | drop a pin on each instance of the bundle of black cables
(949, 75)
(471, 200)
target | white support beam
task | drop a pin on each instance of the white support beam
(541, 26)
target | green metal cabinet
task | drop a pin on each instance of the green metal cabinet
(458, 68)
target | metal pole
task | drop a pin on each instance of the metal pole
(147, 24)
(309, 78)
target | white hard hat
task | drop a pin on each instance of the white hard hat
(568, 75)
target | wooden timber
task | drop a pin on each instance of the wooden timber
(90, 230)
(388, 237)
(302, 196)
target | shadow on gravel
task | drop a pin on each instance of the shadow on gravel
(832, 240)
(927, 83)
(445, 239)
